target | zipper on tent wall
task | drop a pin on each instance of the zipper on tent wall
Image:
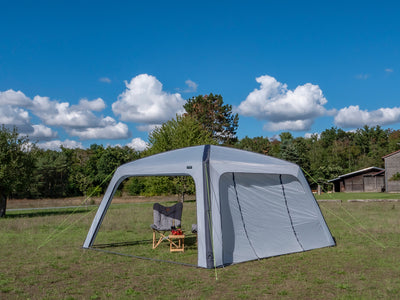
(288, 211)
(241, 216)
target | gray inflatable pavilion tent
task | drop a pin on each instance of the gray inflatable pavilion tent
(249, 205)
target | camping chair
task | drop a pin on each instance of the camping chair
(165, 219)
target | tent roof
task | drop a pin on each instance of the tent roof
(185, 161)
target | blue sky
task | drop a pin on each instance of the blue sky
(82, 72)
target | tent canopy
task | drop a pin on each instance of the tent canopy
(249, 205)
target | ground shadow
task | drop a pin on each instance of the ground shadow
(190, 243)
(43, 213)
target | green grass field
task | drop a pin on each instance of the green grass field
(351, 196)
(42, 258)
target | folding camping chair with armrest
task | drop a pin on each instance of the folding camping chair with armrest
(165, 219)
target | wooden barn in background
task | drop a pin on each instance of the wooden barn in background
(371, 179)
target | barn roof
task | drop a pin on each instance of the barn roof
(359, 172)
(390, 154)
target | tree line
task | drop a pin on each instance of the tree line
(26, 171)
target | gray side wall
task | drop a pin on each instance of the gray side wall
(392, 166)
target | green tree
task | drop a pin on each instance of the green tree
(328, 136)
(50, 174)
(373, 142)
(302, 147)
(183, 131)
(111, 158)
(275, 148)
(84, 168)
(257, 144)
(214, 116)
(90, 168)
(287, 149)
(16, 164)
(393, 140)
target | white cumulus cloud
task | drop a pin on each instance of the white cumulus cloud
(55, 113)
(13, 111)
(147, 128)
(108, 128)
(309, 135)
(138, 144)
(81, 120)
(95, 105)
(13, 98)
(42, 132)
(300, 125)
(14, 115)
(354, 117)
(284, 109)
(56, 145)
(145, 102)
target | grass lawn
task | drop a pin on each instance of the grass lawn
(351, 196)
(38, 264)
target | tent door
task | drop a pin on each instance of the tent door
(255, 219)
